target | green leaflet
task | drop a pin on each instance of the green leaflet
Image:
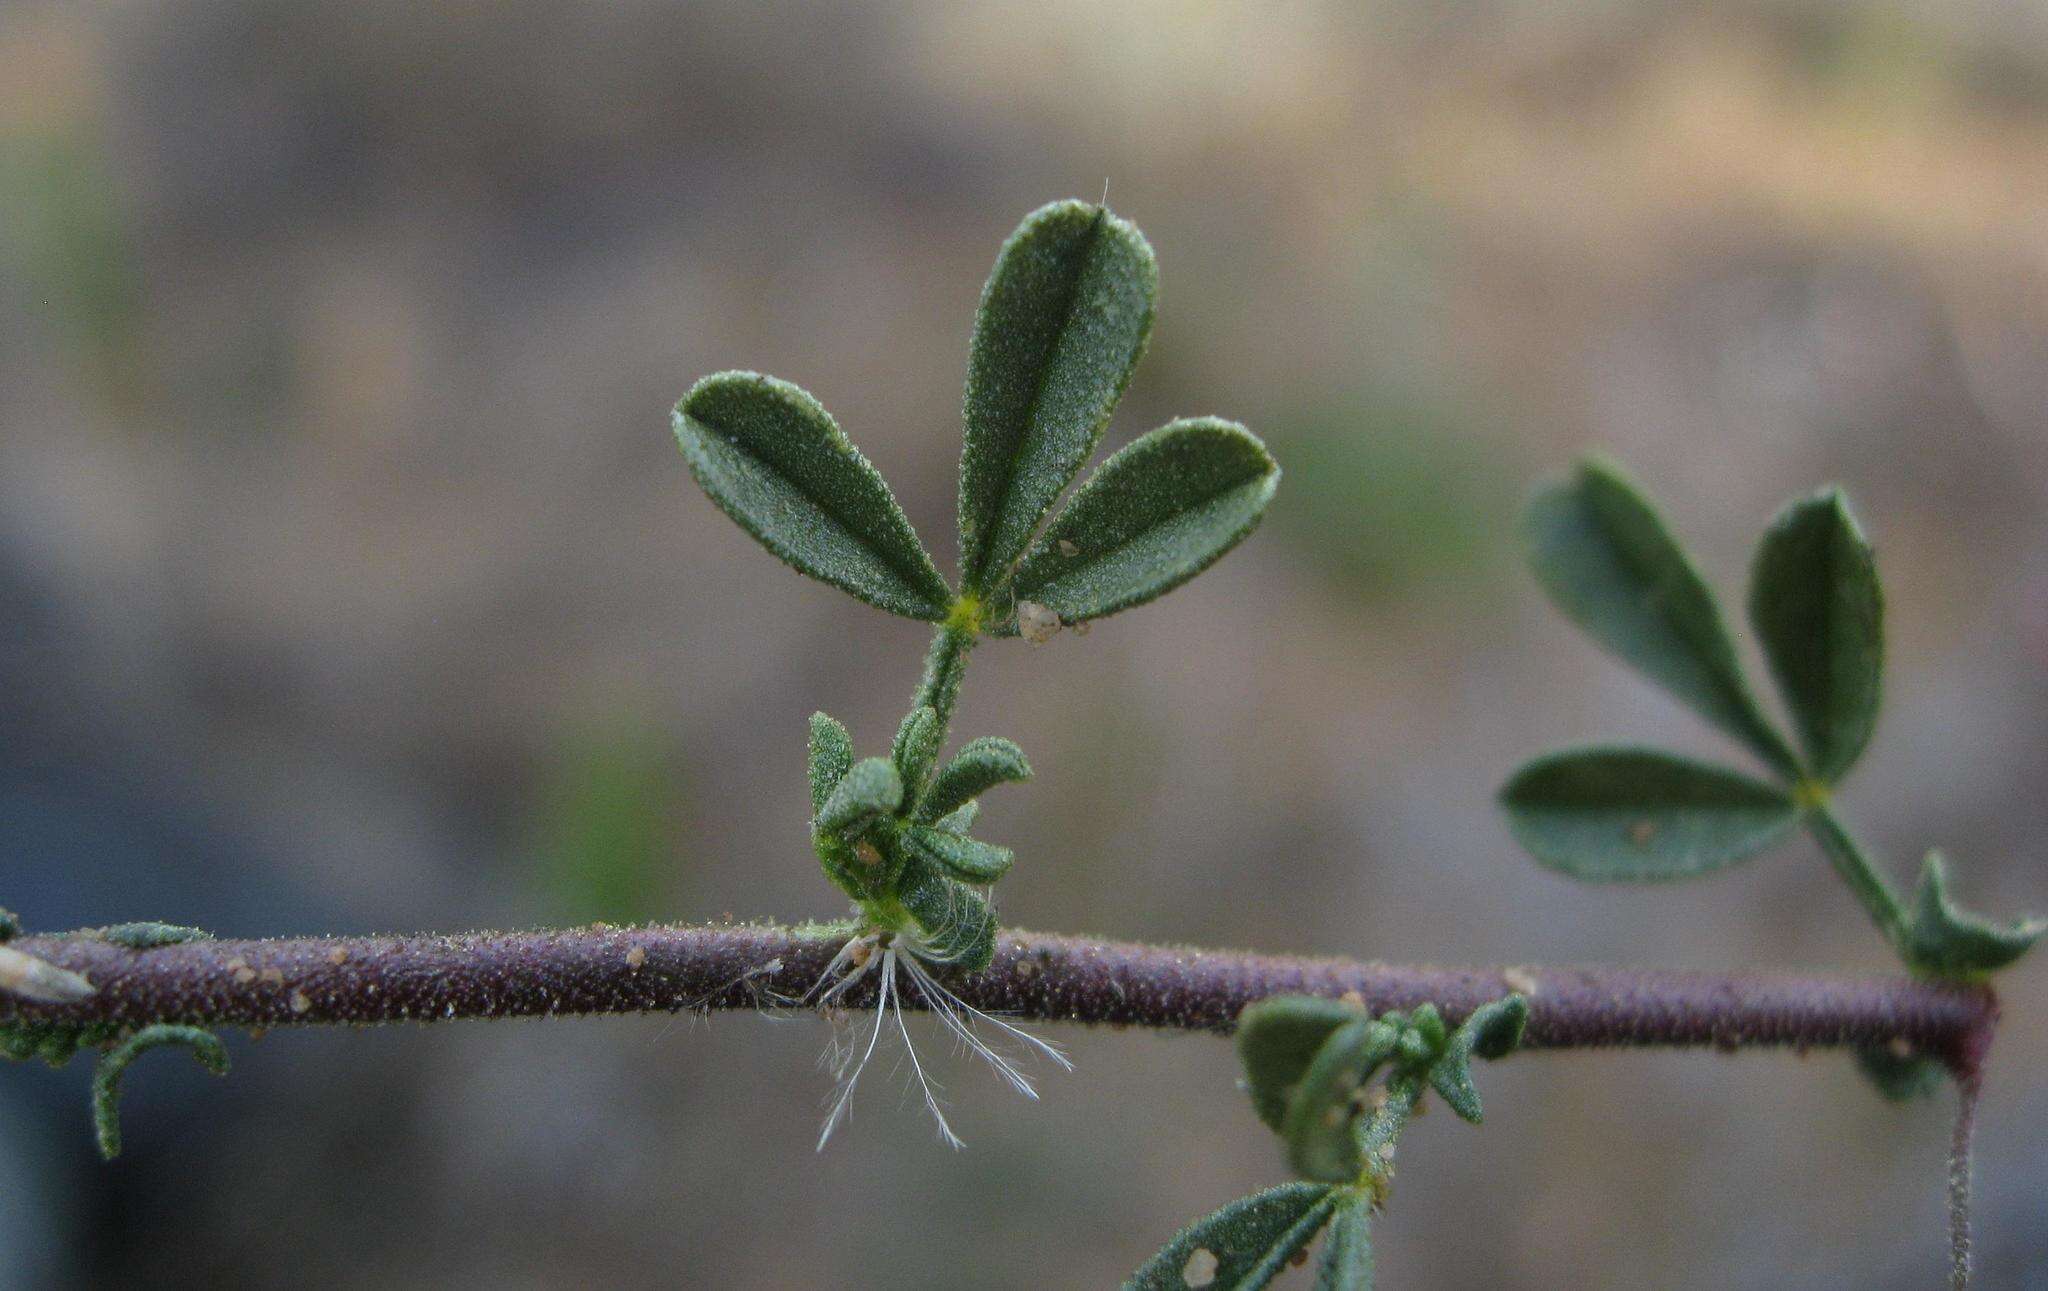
(960, 820)
(1346, 1264)
(775, 462)
(1320, 1114)
(870, 788)
(1944, 940)
(1062, 322)
(958, 926)
(1157, 513)
(1816, 604)
(831, 757)
(1608, 814)
(1609, 564)
(1491, 1032)
(979, 766)
(915, 749)
(964, 858)
(1276, 1039)
(1243, 1246)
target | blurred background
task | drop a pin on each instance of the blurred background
(350, 581)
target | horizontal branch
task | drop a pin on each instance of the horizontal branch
(1047, 977)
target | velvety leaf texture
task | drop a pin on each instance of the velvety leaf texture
(1276, 1040)
(979, 766)
(1157, 513)
(1063, 320)
(1947, 941)
(775, 462)
(831, 757)
(960, 820)
(1493, 1031)
(1609, 564)
(916, 748)
(1607, 814)
(1249, 1241)
(1346, 1264)
(1816, 604)
(870, 788)
(966, 859)
(959, 927)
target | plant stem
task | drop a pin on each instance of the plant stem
(369, 980)
(1887, 911)
(944, 665)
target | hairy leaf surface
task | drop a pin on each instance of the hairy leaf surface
(777, 463)
(1157, 513)
(1062, 322)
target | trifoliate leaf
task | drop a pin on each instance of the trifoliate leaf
(1621, 814)
(979, 766)
(1901, 1077)
(1944, 940)
(958, 926)
(916, 748)
(1062, 321)
(1241, 1247)
(1609, 564)
(1318, 1124)
(966, 859)
(775, 462)
(1346, 1263)
(1157, 513)
(831, 756)
(870, 788)
(1816, 604)
(1277, 1038)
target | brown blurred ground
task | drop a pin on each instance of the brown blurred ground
(349, 580)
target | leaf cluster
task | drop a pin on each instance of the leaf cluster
(893, 835)
(1310, 1063)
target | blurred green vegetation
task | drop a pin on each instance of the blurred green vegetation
(1392, 495)
(604, 823)
(63, 231)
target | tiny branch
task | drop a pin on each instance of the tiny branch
(1041, 976)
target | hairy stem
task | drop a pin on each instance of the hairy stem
(1887, 911)
(939, 689)
(1047, 977)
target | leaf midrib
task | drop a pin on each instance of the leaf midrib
(909, 579)
(1010, 468)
